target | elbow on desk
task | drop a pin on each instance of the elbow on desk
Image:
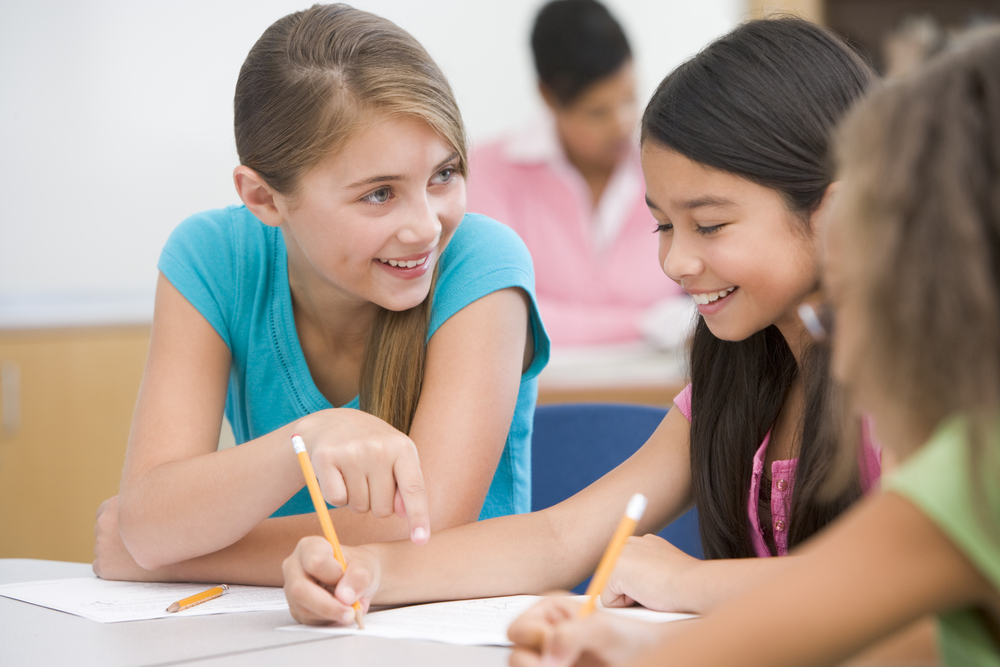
(147, 562)
(137, 539)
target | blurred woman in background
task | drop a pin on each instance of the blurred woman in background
(571, 186)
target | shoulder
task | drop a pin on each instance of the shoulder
(215, 245)
(485, 256)
(683, 401)
(483, 246)
(215, 258)
(956, 489)
(209, 231)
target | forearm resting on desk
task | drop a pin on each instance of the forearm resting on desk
(255, 559)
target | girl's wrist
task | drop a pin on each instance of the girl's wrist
(373, 556)
(689, 587)
(302, 427)
(308, 428)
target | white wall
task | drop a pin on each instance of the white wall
(116, 115)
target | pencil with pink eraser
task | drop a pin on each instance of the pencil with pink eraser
(322, 513)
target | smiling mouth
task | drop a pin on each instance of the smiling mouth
(710, 297)
(408, 264)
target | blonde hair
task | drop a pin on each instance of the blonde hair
(921, 208)
(312, 81)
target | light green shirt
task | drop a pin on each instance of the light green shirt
(939, 481)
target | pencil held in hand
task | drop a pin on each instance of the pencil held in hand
(324, 516)
(198, 598)
(633, 512)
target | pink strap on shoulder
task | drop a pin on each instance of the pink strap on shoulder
(683, 402)
(870, 456)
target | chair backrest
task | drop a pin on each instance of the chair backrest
(575, 444)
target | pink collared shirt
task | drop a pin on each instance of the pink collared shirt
(596, 268)
(783, 482)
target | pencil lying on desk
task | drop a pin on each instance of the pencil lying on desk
(324, 516)
(633, 512)
(198, 598)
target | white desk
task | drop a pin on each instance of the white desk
(34, 635)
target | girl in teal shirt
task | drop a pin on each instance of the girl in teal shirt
(349, 300)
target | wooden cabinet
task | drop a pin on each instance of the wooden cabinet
(66, 403)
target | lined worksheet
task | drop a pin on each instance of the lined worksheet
(116, 601)
(480, 622)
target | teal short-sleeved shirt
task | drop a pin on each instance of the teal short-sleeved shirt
(939, 481)
(233, 269)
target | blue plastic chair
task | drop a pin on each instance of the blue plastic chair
(575, 444)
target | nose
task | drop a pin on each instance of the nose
(678, 257)
(422, 225)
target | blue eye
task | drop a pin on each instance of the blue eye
(380, 196)
(445, 175)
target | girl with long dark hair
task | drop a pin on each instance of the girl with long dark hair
(912, 273)
(738, 175)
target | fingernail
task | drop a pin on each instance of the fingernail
(549, 660)
(348, 617)
(419, 534)
(348, 593)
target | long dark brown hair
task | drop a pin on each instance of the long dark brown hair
(760, 103)
(312, 81)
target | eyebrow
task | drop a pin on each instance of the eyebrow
(708, 200)
(698, 202)
(396, 178)
(373, 180)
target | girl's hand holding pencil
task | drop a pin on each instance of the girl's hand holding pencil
(558, 631)
(552, 633)
(654, 573)
(320, 591)
(324, 516)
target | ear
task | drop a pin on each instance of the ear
(258, 196)
(818, 221)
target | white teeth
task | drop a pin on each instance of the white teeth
(709, 297)
(408, 264)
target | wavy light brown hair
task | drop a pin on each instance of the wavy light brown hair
(920, 210)
(312, 81)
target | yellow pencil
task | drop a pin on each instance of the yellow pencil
(633, 512)
(198, 598)
(324, 515)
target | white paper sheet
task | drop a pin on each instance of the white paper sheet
(116, 601)
(481, 622)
